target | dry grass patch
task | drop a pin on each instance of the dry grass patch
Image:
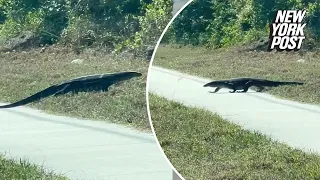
(13, 169)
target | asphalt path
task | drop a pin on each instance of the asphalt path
(81, 149)
(293, 123)
(177, 5)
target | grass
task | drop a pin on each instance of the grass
(12, 169)
(25, 73)
(237, 62)
(202, 145)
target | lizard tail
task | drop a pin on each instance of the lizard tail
(289, 83)
(35, 97)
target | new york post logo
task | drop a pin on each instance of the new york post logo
(286, 31)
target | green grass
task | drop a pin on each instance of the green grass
(12, 169)
(25, 73)
(236, 62)
(202, 145)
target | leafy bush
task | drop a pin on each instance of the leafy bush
(191, 24)
(152, 24)
(123, 24)
(218, 23)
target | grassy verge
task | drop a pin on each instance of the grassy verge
(11, 169)
(236, 62)
(202, 145)
(25, 73)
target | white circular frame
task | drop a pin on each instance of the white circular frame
(147, 85)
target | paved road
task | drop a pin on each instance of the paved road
(296, 124)
(177, 4)
(81, 149)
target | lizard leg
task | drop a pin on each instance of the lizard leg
(244, 90)
(217, 89)
(234, 90)
(260, 88)
(106, 88)
(246, 86)
(62, 91)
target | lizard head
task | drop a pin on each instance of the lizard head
(214, 84)
(121, 76)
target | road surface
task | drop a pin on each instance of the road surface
(81, 149)
(177, 5)
(295, 124)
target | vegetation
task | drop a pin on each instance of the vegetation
(221, 23)
(201, 145)
(112, 25)
(22, 169)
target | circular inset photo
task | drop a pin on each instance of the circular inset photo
(233, 90)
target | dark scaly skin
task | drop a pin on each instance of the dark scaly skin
(99, 82)
(245, 83)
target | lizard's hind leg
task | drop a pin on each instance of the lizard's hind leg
(246, 86)
(245, 89)
(234, 90)
(261, 88)
(63, 90)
